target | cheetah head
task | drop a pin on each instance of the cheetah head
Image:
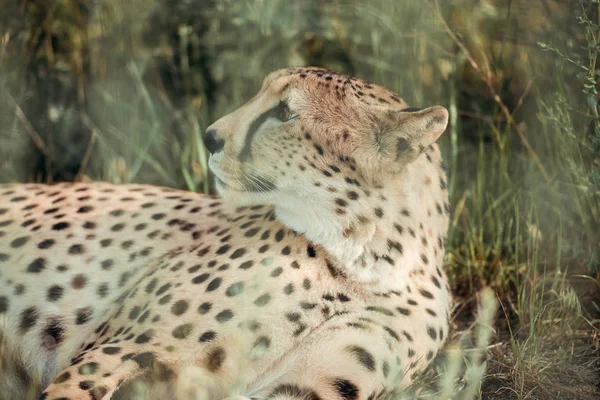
(308, 125)
(315, 144)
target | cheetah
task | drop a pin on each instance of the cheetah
(317, 273)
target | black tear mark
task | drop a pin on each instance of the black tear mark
(245, 153)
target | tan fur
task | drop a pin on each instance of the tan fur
(318, 277)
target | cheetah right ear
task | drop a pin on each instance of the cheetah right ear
(396, 138)
(415, 130)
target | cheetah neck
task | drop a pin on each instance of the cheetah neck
(382, 237)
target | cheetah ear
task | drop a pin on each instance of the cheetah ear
(415, 130)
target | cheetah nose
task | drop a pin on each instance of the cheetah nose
(212, 141)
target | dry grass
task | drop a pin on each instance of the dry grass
(121, 91)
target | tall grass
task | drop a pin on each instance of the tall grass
(122, 91)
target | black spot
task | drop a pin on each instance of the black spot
(60, 226)
(46, 244)
(263, 342)
(76, 249)
(223, 249)
(380, 310)
(262, 300)
(55, 330)
(117, 227)
(179, 307)
(392, 333)
(215, 359)
(3, 304)
(411, 109)
(89, 225)
(163, 289)
(403, 311)
(111, 350)
(182, 331)
(432, 333)
(207, 336)
(346, 389)
(426, 294)
(288, 289)
(251, 232)
(306, 284)
(238, 253)
(65, 376)
(83, 315)
(143, 317)
(235, 289)
(224, 316)
(55, 292)
(214, 285)
(363, 357)
(102, 290)
(79, 281)
(200, 278)
(165, 299)
(204, 308)
(29, 317)
(18, 242)
(145, 337)
(311, 251)
(36, 266)
(144, 360)
(86, 385)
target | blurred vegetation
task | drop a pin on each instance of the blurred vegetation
(121, 91)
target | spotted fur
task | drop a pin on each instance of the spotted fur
(317, 276)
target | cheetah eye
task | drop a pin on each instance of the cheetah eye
(283, 113)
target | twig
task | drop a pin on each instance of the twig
(35, 137)
(88, 151)
(522, 98)
(545, 382)
(487, 79)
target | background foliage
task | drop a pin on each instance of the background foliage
(122, 91)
